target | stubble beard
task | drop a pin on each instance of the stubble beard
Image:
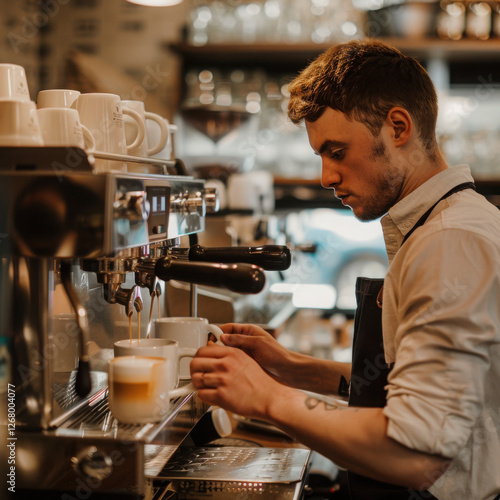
(387, 186)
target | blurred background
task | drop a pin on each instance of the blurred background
(219, 70)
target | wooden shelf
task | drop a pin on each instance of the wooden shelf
(278, 54)
(450, 50)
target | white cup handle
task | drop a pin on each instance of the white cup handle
(141, 130)
(217, 332)
(164, 132)
(88, 139)
(182, 391)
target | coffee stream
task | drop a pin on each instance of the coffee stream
(130, 328)
(139, 319)
(138, 327)
(151, 311)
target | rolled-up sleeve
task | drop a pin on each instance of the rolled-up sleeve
(444, 292)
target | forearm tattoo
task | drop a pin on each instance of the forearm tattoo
(312, 403)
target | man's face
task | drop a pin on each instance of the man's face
(357, 165)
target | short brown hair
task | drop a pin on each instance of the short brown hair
(364, 80)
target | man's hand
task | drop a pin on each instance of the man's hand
(263, 348)
(231, 379)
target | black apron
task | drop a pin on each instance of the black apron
(369, 371)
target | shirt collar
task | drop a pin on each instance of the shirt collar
(404, 215)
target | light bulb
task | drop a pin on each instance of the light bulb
(155, 3)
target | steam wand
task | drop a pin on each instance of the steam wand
(83, 383)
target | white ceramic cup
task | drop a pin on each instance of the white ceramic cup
(62, 127)
(13, 82)
(19, 123)
(138, 389)
(189, 332)
(102, 114)
(150, 145)
(153, 133)
(162, 348)
(56, 98)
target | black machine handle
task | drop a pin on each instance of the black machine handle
(240, 278)
(83, 383)
(268, 257)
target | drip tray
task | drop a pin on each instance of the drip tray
(223, 472)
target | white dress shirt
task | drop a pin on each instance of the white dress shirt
(441, 327)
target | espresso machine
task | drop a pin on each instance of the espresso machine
(83, 253)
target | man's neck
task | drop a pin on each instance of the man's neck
(419, 172)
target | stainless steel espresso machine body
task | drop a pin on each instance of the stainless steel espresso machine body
(83, 253)
(58, 225)
(70, 240)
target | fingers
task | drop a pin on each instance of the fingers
(200, 364)
(212, 350)
(197, 379)
(207, 390)
(236, 328)
(210, 397)
(217, 359)
(204, 380)
(207, 360)
(235, 340)
(243, 329)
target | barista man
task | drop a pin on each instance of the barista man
(424, 405)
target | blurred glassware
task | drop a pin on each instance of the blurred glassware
(451, 20)
(278, 21)
(478, 21)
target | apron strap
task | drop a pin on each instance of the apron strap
(421, 221)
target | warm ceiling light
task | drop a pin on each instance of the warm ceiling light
(155, 3)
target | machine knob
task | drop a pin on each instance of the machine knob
(189, 203)
(92, 463)
(196, 203)
(132, 205)
(211, 199)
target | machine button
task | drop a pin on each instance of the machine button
(212, 201)
(93, 463)
(159, 229)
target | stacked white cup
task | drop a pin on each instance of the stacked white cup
(59, 123)
(103, 114)
(19, 124)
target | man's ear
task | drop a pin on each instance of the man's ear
(400, 124)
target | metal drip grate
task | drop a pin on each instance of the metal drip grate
(64, 392)
(276, 465)
(65, 395)
(95, 419)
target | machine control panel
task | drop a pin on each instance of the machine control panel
(159, 207)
